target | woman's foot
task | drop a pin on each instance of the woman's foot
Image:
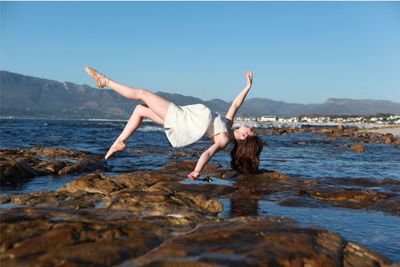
(101, 79)
(117, 146)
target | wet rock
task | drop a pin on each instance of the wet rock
(358, 147)
(246, 241)
(270, 175)
(365, 182)
(353, 193)
(388, 138)
(163, 198)
(302, 201)
(326, 131)
(210, 205)
(356, 255)
(76, 200)
(210, 190)
(128, 217)
(15, 172)
(53, 167)
(54, 152)
(19, 165)
(92, 183)
(185, 167)
(390, 205)
(300, 143)
(347, 198)
(5, 199)
(50, 237)
(85, 164)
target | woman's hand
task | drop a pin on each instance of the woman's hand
(193, 175)
(249, 77)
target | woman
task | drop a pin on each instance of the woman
(187, 124)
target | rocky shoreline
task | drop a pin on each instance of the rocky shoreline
(153, 218)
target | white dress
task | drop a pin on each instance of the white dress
(187, 124)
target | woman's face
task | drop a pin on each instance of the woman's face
(246, 131)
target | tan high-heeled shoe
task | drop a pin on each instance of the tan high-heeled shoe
(101, 79)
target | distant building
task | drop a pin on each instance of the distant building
(268, 118)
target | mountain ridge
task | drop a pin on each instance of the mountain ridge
(28, 96)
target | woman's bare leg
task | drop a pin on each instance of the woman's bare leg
(156, 103)
(133, 124)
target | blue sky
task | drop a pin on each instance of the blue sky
(302, 52)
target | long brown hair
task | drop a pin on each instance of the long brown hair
(245, 155)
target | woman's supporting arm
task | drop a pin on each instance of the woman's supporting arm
(240, 98)
(205, 157)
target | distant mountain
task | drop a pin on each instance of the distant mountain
(25, 96)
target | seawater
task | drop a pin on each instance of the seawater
(149, 148)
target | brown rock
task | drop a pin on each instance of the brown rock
(15, 172)
(356, 255)
(92, 183)
(391, 205)
(53, 167)
(18, 165)
(185, 167)
(254, 242)
(49, 237)
(85, 164)
(54, 152)
(358, 147)
(300, 143)
(388, 138)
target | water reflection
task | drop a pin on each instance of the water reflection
(243, 207)
(372, 229)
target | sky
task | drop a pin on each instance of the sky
(299, 52)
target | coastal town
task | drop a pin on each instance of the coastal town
(380, 119)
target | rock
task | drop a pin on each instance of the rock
(391, 205)
(151, 218)
(299, 143)
(85, 164)
(49, 152)
(282, 131)
(327, 131)
(15, 172)
(53, 167)
(185, 167)
(49, 237)
(246, 241)
(358, 147)
(19, 165)
(356, 255)
(302, 201)
(92, 183)
(210, 205)
(345, 197)
(388, 138)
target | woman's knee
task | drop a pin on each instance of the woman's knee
(139, 110)
(143, 93)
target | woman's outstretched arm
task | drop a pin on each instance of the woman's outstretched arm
(241, 97)
(205, 157)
